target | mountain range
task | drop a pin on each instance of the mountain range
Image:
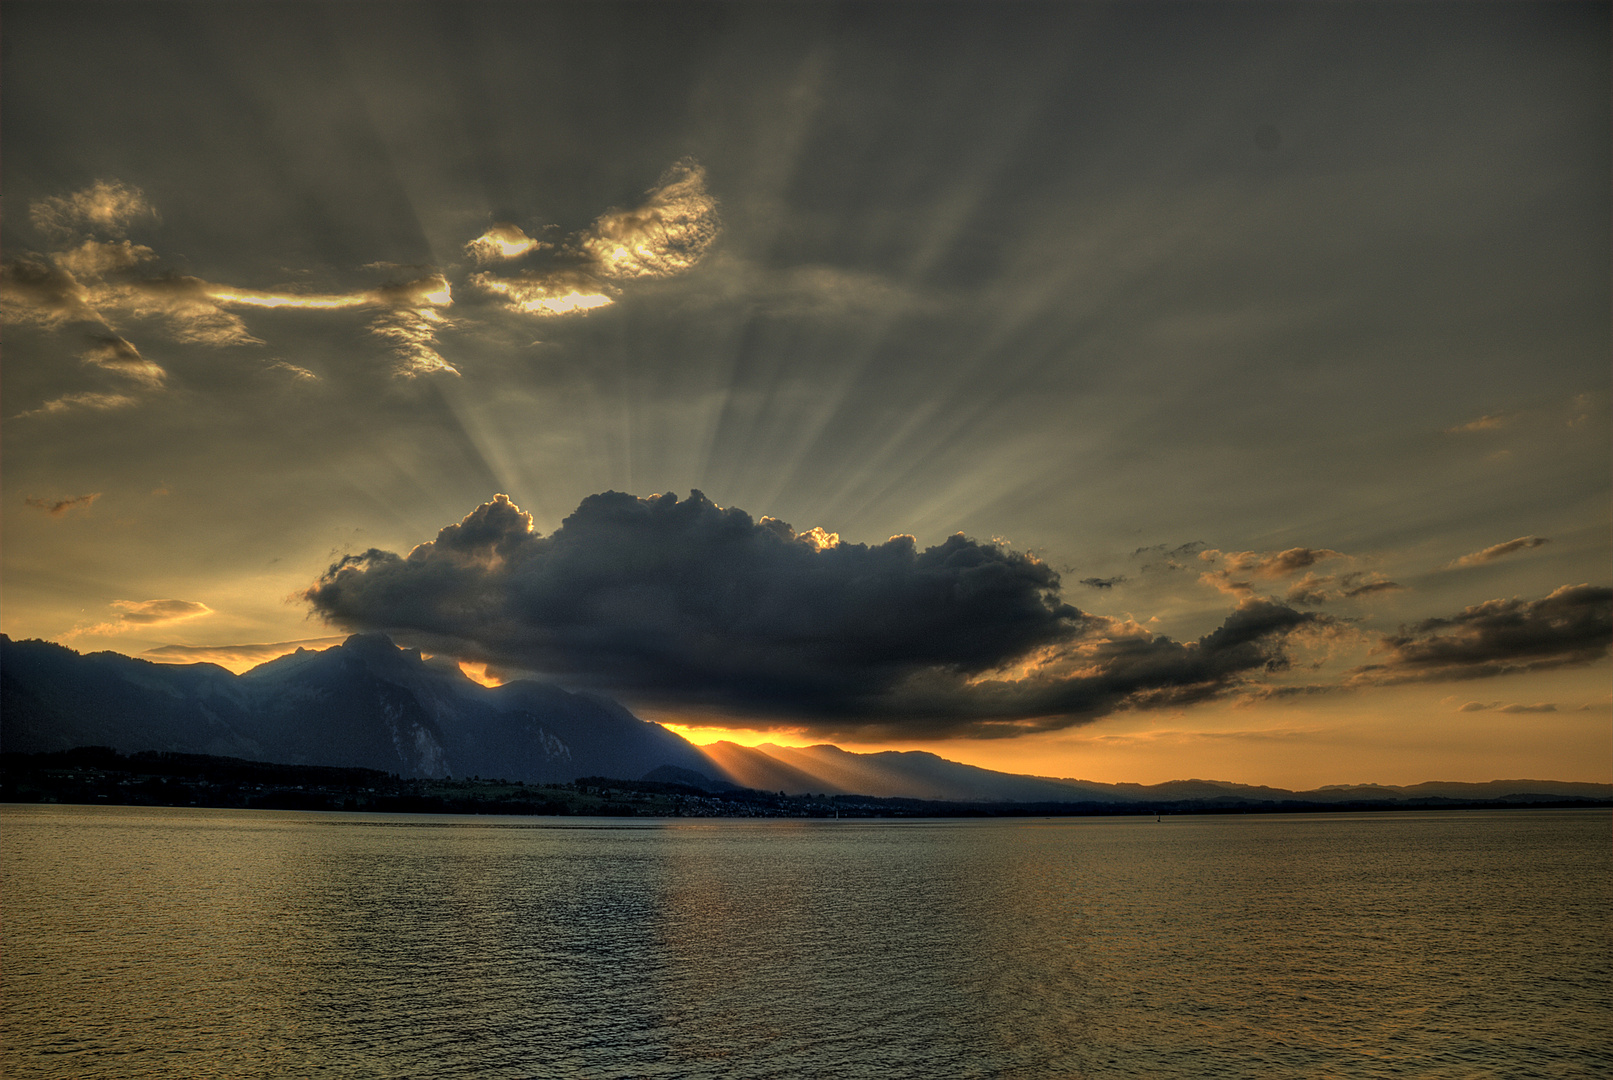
(368, 703)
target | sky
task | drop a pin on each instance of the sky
(1118, 392)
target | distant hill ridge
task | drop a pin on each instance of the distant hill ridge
(369, 704)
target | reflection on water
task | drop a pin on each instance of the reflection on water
(142, 942)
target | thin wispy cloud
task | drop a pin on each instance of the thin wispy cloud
(1241, 570)
(58, 507)
(143, 615)
(120, 357)
(1498, 551)
(92, 400)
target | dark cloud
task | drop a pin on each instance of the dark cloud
(1102, 582)
(1573, 625)
(689, 604)
(1497, 551)
(58, 507)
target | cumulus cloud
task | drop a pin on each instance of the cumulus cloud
(688, 604)
(58, 507)
(1571, 626)
(106, 207)
(1497, 551)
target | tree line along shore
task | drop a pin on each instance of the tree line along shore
(96, 775)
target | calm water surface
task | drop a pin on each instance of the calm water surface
(153, 942)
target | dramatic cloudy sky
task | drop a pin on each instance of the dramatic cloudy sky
(1128, 392)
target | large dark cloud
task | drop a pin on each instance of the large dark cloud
(686, 604)
(1573, 625)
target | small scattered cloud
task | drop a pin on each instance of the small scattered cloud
(1580, 409)
(72, 402)
(411, 319)
(33, 291)
(666, 235)
(98, 259)
(106, 207)
(1270, 564)
(149, 612)
(1240, 570)
(1572, 626)
(191, 307)
(1497, 551)
(95, 278)
(141, 615)
(58, 507)
(299, 373)
(1492, 422)
(502, 243)
(1316, 589)
(1166, 557)
(1102, 583)
(1367, 584)
(1496, 706)
(554, 292)
(117, 355)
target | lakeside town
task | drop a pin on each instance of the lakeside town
(101, 776)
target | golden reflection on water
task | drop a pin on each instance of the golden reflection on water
(199, 943)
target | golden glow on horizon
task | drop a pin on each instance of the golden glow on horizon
(238, 659)
(477, 672)
(705, 735)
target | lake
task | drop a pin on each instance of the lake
(198, 943)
